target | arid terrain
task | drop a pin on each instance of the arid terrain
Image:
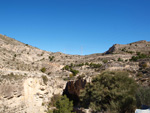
(29, 77)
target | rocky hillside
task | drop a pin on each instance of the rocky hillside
(29, 77)
(140, 46)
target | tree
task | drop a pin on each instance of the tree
(63, 105)
(112, 91)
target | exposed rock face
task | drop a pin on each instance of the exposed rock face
(28, 94)
(73, 88)
(112, 49)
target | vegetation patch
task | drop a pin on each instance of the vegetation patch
(139, 56)
(69, 68)
(43, 70)
(110, 91)
(51, 58)
(74, 72)
(105, 61)
(45, 79)
(61, 104)
(142, 96)
(120, 60)
(93, 65)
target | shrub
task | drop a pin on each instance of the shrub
(119, 59)
(80, 65)
(110, 91)
(124, 49)
(63, 105)
(87, 63)
(93, 65)
(15, 55)
(54, 99)
(71, 65)
(69, 68)
(134, 58)
(45, 79)
(70, 75)
(131, 52)
(51, 58)
(139, 56)
(66, 68)
(142, 96)
(138, 53)
(74, 72)
(43, 70)
(105, 61)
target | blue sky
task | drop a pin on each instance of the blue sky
(75, 26)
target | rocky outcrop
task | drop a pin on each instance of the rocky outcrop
(112, 49)
(72, 90)
(140, 46)
(29, 94)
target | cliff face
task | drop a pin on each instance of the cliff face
(28, 94)
(72, 90)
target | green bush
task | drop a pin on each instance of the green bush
(93, 65)
(45, 79)
(74, 72)
(119, 59)
(15, 55)
(69, 68)
(43, 70)
(138, 53)
(54, 99)
(139, 56)
(66, 68)
(124, 49)
(82, 64)
(51, 58)
(87, 63)
(113, 91)
(63, 105)
(134, 58)
(105, 61)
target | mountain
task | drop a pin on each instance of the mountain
(29, 77)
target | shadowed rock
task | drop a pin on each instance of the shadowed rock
(72, 90)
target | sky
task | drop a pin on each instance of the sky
(75, 26)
